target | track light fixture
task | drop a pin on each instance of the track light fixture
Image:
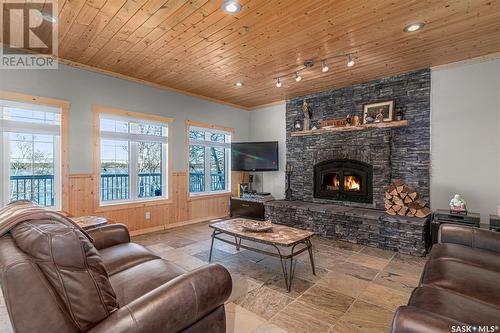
(309, 63)
(324, 67)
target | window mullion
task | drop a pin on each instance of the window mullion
(133, 158)
(208, 177)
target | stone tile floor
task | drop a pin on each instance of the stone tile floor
(356, 288)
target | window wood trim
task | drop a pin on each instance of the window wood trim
(97, 110)
(208, 126)
(64, 106)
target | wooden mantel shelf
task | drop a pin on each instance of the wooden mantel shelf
(391, 124)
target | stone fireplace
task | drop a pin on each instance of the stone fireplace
(339, 177)
(344, 180)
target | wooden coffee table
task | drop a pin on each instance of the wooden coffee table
(284, 239)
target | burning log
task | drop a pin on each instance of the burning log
(401, 199)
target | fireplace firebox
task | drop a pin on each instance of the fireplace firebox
(344, 180)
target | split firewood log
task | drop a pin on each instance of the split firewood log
(423, 212)
(403, 211)
(408, 199)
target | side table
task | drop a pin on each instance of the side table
(445, 216)
(494, 222)
(89, 222)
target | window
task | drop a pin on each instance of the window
(30, 147)
(133, 159)
(209, 160)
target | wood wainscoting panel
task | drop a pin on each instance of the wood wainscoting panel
(178, 211)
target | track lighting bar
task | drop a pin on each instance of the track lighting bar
(310, 63)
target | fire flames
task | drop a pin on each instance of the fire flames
(352, 183)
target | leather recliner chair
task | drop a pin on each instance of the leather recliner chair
(459, 290)
(149, 293)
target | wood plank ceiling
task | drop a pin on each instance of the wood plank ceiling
(195, 47)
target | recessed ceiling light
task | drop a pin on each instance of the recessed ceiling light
(414, 27)
(239, 84)
(297, 77)
(324, 67)
(231, 7)
(350, 61)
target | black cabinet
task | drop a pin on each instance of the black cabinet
(247, 208)
(445, 216)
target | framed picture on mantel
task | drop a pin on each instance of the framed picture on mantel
(378, 112)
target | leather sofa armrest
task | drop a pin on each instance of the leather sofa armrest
(469, 236)
(109, 235)
(410, 319)
(173, 306)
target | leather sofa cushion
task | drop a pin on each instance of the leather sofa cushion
(455, 306)
(470, 281)
(483, 258)
(73, 267)
(140, 279)
(122, 256)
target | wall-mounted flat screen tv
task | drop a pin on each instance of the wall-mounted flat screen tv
(254, 156)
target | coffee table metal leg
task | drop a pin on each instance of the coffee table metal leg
(290, 277)
(211, 247)
(237, 243)
(311, 258)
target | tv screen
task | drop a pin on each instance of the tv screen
(254, 156)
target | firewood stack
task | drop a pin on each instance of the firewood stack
(400, 199)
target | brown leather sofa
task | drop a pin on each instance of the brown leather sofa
(148, 294)
(460, 285)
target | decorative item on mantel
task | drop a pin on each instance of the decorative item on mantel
(331, 123)
(378, 112)
(458, 205)
(297, 124)
(288, 172)
(307, 116)
(401, 199)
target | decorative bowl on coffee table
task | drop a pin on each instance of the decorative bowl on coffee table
(257, 226)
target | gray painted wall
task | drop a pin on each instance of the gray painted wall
(465, 136)
(84, 88)
(268, 124)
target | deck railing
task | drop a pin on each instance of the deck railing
(197, 182)
(37, 188)
(40, 188)
(116, 186)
